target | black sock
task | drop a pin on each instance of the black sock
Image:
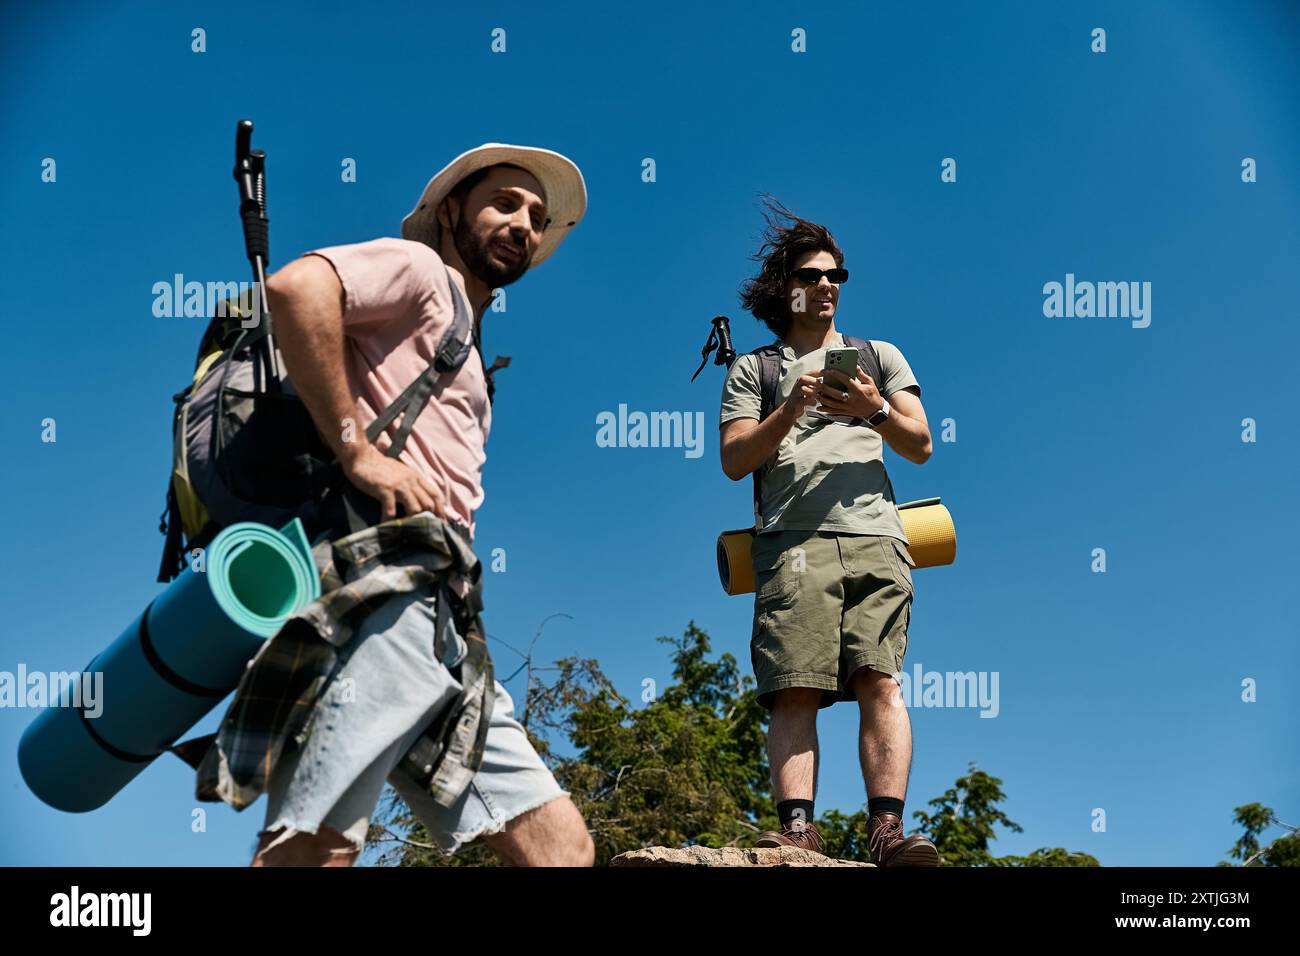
(884, 805)
(790, 810)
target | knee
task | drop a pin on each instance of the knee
(876, 689)
(796, 701)
(327, 847)
(582, 849)
(576, 848)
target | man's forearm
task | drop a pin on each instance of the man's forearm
(306, 301)
(907, 436)
(746, 452)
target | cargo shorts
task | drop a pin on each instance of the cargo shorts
(825, 605)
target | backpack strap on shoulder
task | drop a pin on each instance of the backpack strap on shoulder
(769, 377)
(456, 341)
(868, 361)
(868, 357)
(498, 363)
(348, 510)
(453, 349)
(769, 383)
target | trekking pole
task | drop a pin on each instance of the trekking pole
(720, 339)
(250, 175)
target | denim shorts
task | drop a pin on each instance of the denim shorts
(387, 687)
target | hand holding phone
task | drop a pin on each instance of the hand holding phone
(841, 368)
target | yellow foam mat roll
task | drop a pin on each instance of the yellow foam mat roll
(735, 561)
(931, 533)
(927, 523)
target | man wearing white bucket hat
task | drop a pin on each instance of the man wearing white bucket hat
(357, 325)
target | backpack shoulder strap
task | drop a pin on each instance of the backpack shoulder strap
(769, 383)
(453, 349)
(769, 376)
(868, 357)
(868, 361)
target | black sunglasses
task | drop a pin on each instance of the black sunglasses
(811, 276)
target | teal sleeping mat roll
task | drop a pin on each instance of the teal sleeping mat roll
(172, 665)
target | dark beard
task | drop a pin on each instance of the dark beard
(474, 253)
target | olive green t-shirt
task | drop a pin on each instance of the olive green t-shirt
(827, 475)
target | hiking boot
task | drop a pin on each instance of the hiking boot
(796, 833)
(890, 848)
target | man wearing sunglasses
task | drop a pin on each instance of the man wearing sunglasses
(834, 587)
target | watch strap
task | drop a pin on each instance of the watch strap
(880, 415)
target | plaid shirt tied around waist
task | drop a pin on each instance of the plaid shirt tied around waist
(274, 705)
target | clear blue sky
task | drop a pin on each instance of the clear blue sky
(1118, 690)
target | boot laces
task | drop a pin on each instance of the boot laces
(796, 831)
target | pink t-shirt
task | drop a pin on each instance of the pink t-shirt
(397, 305)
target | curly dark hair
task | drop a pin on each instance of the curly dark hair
(786, 238)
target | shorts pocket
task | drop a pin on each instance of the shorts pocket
(774, 583)
(902, 562)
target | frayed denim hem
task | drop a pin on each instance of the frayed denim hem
(462, 839)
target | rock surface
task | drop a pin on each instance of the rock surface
(727, 856)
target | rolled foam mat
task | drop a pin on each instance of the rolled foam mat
(171, 666)
(927, 523)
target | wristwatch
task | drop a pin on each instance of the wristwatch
(879, 416)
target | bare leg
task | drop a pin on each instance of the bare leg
(553, 834)
(885, 738)
(328, 847)
(792, 743)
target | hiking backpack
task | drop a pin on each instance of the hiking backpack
(245, 447)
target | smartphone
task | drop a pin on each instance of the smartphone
(842, 363)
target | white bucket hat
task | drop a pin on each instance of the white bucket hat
(566, 193)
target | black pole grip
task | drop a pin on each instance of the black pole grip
(257, 232)
(243, 140)
(726, 353)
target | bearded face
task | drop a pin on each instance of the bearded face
(500, 226)
(497, 257)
